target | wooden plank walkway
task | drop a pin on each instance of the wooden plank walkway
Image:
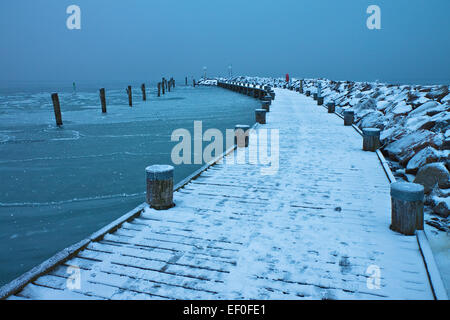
(311, 231)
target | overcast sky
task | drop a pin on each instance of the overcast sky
(145, 39)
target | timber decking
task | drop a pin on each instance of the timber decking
(313, 230)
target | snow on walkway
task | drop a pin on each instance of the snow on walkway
(315, 230)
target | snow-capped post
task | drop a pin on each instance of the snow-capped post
(159, 89)
(130, 97)
(160, 186)
(260, 116)
(407, 207)
(331, 107)
(57, 109)
(266, 105)
(371, 139)
(144, 95)
(349, 117)
(267, 98)
(300, 89)
(241, 135)
(103, 99)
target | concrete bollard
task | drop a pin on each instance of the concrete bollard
(371, 139)
(159, 89)
(319, 101)
(57, 109)
(160, 186)
(315, 96)
(260, 116)
(308, 93)
(349, 117)
(407, 207)
(241, 135)
(266, 105)
(103, 99)
(331, 107)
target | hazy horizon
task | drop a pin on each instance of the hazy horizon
(144, 40)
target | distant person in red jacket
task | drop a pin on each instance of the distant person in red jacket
(287, 77)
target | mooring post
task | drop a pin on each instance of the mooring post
(349, 117)
(185, 80)
(300, 90)
(308, 93)
(315, 95)
(57, 109)
(266, 105)
(241, 135)
(193, 82)
(159, 89)
(144, 95)
(168, 86)
(407, 207)
(319, 101)
(103, 99)
(130, 97)
(260, 116)
(371, 139)
(331, 107)
(163, 84)
(160, 186)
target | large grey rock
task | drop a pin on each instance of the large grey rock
(433, 174)
(406, 147)
(429, 106)
(401, 109)
(423, 157)
(442, 207)
(365, 106)
(374, 119)
(438, 93)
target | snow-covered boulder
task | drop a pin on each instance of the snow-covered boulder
(429, 106)
(373, 119)
(423, 157)
(406, 147)
(363, 106)
(442, 207)
(401, 109)
(433, 174)
(383, 104)
(438, 93)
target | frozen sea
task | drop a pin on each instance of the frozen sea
(59, 185)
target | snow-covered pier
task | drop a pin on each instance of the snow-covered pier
(318, 229)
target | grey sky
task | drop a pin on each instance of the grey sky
(136, 39)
